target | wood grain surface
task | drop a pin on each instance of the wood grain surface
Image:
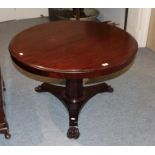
(73, 49)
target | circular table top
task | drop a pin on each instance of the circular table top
(73, 49)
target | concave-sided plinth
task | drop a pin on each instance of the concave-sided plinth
(74, 96)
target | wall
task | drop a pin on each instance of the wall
(7, 14)
(116, 15)
(21, 13)
(138, 24)
(151, 32)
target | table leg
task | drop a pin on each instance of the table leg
(74, 96)
(4, 128)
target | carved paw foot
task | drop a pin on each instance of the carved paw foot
(73, 132)
(39, 88)
(7, 135)
(106, 88)
(110, 89)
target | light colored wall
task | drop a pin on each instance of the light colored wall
(7, 14)
(116, 15)
(138, 24)
(151, 33)
(21, 13)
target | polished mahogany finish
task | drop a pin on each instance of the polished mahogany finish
(4, 128)
(73, 50)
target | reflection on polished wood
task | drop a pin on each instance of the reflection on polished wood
(73, 50)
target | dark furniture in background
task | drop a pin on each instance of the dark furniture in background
(4, 128)
(126, 18)
(73, 50)
(86, 14)
(54, 12)
(78, 12)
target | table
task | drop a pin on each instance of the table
(73, 50)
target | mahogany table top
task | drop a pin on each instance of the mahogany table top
(73, 49)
